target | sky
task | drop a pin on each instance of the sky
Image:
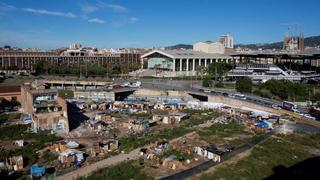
(48, 24)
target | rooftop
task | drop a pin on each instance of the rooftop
(10, 89)
(185, 54)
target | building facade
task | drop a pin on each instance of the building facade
(182, 62)
(209, 47)
(48, 111)
(23, 60)
(227, 41)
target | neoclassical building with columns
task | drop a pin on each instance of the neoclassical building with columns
(182, 62)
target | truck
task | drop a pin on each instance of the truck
(315, 113)
(288, 106)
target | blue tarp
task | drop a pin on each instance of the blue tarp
(174, 104)
(37, 170)
(262, 124)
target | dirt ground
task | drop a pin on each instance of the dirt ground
(9, 145)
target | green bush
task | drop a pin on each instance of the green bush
(219, 85)
(244, 84)
(207, 82)
(286, 90)
(3, 118)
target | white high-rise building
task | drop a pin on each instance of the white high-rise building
(75, 46)
(227, 41)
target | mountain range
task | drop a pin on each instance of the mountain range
(312, 41)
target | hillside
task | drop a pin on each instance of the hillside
(179, 46)
(312, 41)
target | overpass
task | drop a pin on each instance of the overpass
(75, 84)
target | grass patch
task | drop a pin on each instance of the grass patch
(198, 117)
(285, 150)
(65, 94)
(124, 170)
(135, 141)
(37, 141)
(218, 132)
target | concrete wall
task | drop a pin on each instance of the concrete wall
(26, 99)
(93, 94)
(161, 93)
(217, 99)
(239, 103)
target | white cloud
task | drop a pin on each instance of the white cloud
(96, 20)
(88, 8)
(115, 7)
(6, 7)
(123, 21)
(50, 13)
(133, 19)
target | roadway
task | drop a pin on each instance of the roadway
(186, 86)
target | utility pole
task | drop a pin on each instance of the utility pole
(216, 73)
(80, 71)
(192, 80)
(86, 67)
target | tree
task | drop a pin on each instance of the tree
(124, 68)
(145, 64)
(41, 67)
(316, 97)
(200, 71)
(287, 90)
(206, 82)
(244, 84)
(219, 69)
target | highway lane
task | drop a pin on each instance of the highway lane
(186, 86)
